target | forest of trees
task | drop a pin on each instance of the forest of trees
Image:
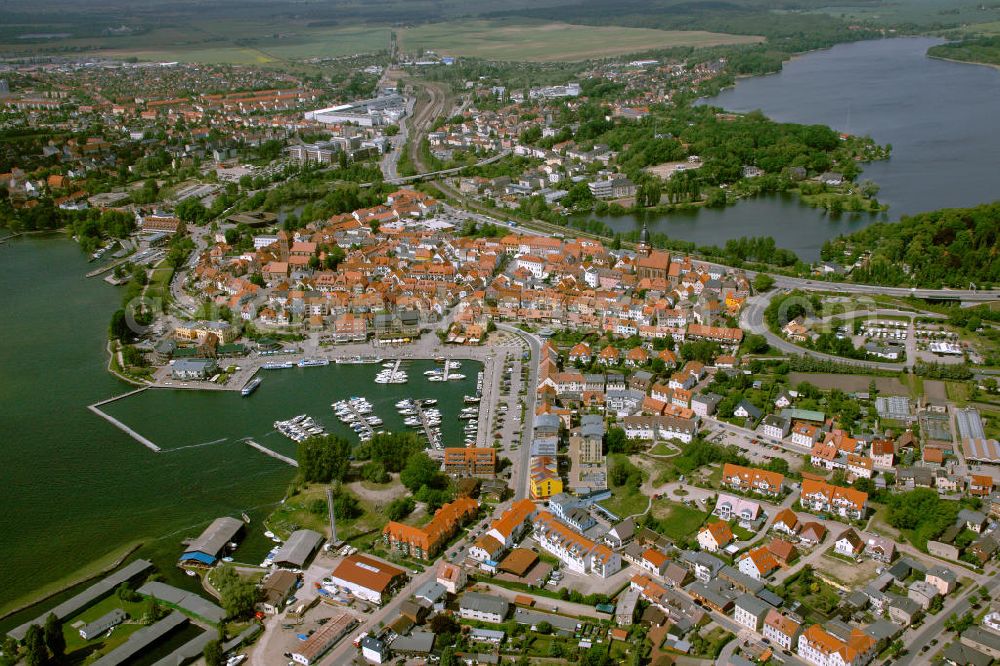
(944, 248)
(982, 49)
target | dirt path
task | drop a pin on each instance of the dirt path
(387, 494)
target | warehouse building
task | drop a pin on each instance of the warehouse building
(187, 602)
(208, 547)
(368, 578)
(299, 548)
(325, 638)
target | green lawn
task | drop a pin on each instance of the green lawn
(678, 521)
(664, 449)
(625, 502)
(77, 649)
(159, 281)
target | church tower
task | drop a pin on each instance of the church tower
(643, 248)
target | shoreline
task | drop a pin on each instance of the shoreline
(64, 584)
(962, 62)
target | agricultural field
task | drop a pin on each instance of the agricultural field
(848, 383)
(252, 41)
(918, 12)
(550, 41)
(240, 42)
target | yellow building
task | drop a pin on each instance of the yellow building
(544, 477)
(201, 330)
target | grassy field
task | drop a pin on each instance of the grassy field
(625, 502)
(550, 41)
(664, 449)
(307, 509)
(159, 281)
(847, 383)
(678, 521)
(77, 649)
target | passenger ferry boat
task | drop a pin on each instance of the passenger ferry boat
(359, 360)
(313, 362)
(251, 387)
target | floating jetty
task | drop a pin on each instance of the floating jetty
(430, 431)
(269, 452)
(392, 375)
(354, 412)
(108, 267)
(96, 408)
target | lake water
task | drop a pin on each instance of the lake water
(940, 117)
(75, 489)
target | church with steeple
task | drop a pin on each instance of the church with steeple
(643, 248)
(651, 264)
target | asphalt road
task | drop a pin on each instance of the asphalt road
(851, 288)
(935, 628)
(520, 477)
(752, 319)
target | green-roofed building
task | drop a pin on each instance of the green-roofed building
(803, 415)
(232, 349)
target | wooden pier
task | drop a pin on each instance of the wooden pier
(269, 452)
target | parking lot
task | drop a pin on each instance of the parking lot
(759, 449)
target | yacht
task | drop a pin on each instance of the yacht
(391, 377)
(274, 365)
(471, 399)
